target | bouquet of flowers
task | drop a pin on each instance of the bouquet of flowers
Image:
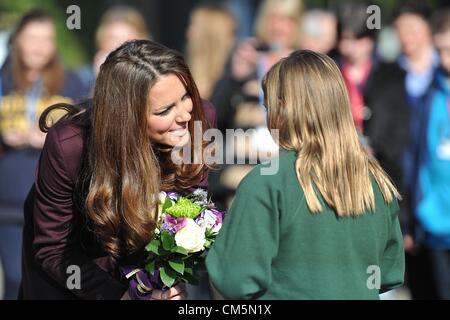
(187, 226)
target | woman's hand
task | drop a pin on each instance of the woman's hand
(175, 293)
(15, 137)
(244, 60)
(408, 243)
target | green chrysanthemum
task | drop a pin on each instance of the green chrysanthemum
(184, 208)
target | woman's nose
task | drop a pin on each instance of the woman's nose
(184, 114)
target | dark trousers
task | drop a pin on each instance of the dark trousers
(440, 260)
(419, 275)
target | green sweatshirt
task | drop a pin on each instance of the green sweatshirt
(271, 246)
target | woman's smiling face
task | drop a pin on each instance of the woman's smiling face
(169, 112)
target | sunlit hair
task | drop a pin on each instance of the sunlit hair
(122, 171)
(291, 8)
(121, 14)
(53, 72)
(209, 50)
(308, 102)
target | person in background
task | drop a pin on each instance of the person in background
(238, 98)
(313, 229)
(358, 57)
(432, 201)
(376, 90)
(211, 36)
(277, 28)
(319, 32)
(32, 78)
(244, 11)
(419, 60)
(117, 25)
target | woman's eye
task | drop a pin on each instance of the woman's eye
(165, 112)
(186, 96)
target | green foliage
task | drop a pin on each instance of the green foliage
(168, 276)
(168, 241)
(184, 208)
(174, 262)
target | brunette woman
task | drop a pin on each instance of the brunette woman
(93, 204)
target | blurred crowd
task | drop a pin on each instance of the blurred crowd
(397, 79)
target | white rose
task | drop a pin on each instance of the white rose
(191, 237)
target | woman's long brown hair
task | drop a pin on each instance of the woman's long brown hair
(121, 172)
(308, 102)
(53, 72)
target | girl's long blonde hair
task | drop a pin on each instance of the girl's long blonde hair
(308, 102)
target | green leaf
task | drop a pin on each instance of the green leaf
(150, 267)
(167, 276)
(181, 250)
(168, 240)
(166, 205)
(153, 246)
(208, 243)
(177, 265)
(188, 271)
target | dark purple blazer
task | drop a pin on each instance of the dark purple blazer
(51, 239)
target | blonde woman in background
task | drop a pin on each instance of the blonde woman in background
(319, 32)
(321, 225)
(238, 96)
(211, 36)
(277, 29)
(117, 25)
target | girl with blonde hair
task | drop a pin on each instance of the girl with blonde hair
(325, 226)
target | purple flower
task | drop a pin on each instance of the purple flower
(209, 218)
(173, 224)
(173, 196)
(200, 194)
(219, 216)
(167, 227)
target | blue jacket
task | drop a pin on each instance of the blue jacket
(433, 193)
